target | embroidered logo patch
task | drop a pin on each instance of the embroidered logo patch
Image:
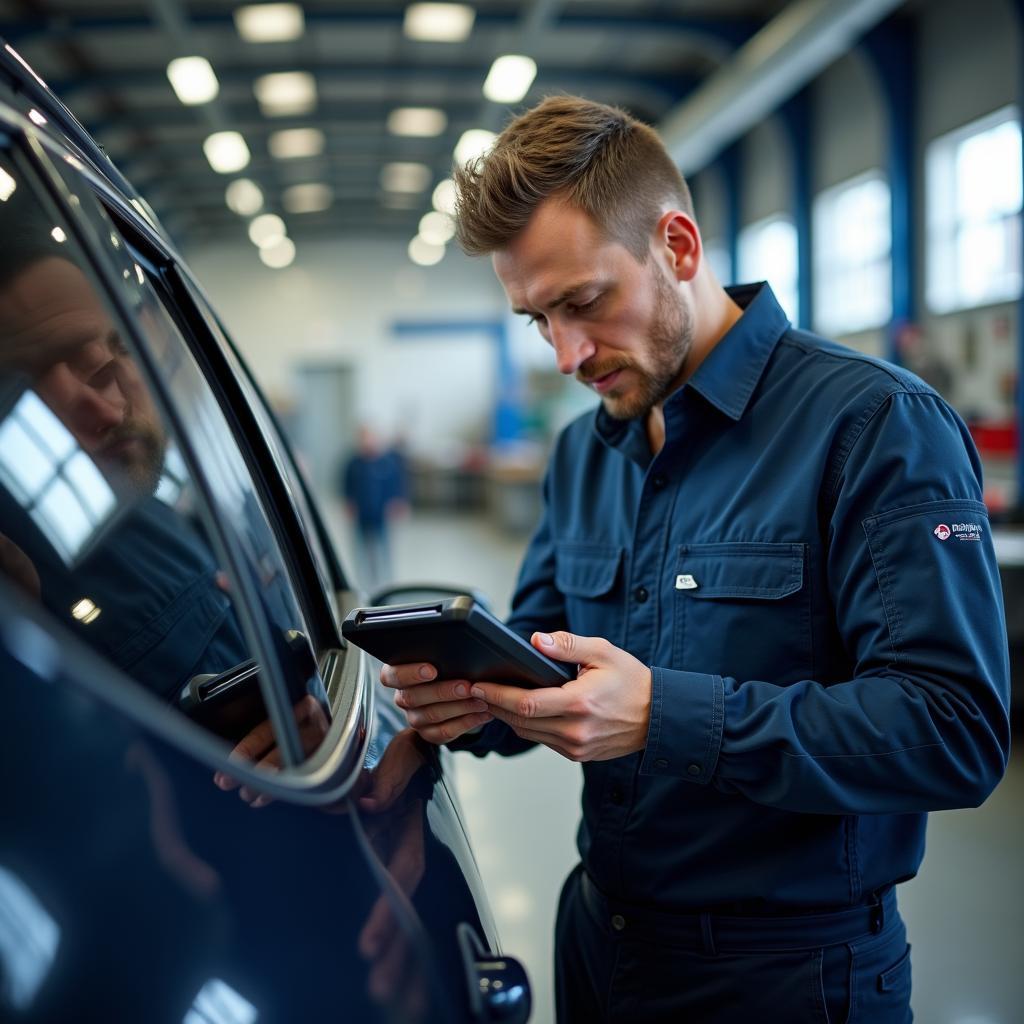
(962, 531)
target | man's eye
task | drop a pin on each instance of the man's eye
(537, 318)
(586, 307)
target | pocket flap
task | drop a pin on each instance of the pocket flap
(741, 569)
(586, 570)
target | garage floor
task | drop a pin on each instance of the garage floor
(965, 912)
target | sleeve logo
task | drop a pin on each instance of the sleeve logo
(962, 531)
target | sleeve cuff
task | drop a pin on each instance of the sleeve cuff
(685, 732)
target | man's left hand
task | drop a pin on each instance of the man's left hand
(603, 713)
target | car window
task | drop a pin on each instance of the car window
(125, 509)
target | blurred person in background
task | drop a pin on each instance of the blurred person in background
(373, 485)
(769, 556)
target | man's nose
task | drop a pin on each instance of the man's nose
(100, 409)
(572, 346)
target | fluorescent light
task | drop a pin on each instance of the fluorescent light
(226, 151)
(404, 177)
(269, 23)
(420, 122)
(266, 230)
(510, 78)
(193, 80)
(7, 186)
(278, 255)
(296, 142)
(439, 23)
(425, 253)
(472, 144)
(437, 228)
(58, 235)
(285, 93)
(310, 198)
(36, 118)
(244, 197)
(444, 197)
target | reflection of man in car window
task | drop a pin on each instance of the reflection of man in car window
(120, 566)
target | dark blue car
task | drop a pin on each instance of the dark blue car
(209, 812)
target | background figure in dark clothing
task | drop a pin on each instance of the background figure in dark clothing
(374, 488)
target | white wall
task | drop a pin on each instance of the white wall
(338, 303)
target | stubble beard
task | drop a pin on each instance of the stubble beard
(669, 345)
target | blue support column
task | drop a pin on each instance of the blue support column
(729, 166)
(891, 49)
(796, 116)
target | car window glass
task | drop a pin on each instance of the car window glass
(102, 517)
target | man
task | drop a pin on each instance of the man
(769, 556)
(373, 485)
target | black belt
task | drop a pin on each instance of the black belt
(718, 933)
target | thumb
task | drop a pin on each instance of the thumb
(563, 646)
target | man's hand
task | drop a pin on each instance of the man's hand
(603, 713)
(438, 711)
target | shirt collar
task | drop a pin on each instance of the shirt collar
(731, 370)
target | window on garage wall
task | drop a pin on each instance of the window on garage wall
(853, 255)
(767, 251)
(973, 189)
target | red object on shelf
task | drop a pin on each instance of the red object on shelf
(995, 437)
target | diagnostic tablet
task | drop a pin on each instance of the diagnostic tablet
(458, 637)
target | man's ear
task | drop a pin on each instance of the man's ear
(678, 238)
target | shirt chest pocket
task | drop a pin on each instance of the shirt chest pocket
(587, 575)
(742, 609)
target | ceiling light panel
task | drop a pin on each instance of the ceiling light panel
(266, 230)
(269, 23)
(296, 142)
(510, 78)
(425, 253)
(285, 93)
(472, 144)
(244, 197)
(226, 151)
(436, 227)
(193, 80)
(404, 177)
(280, 254)
(418, 122)
(439, 23)
(309, 198)
(443, 198)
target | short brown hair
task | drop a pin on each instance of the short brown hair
(598, 158)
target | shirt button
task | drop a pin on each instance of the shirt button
(641, 594)
(694, 769)
(659, 481)
(617, 795)
(618, 922)
(661, 763)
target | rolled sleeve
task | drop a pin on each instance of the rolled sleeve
(685, 732)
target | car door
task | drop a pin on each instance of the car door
(142, 550)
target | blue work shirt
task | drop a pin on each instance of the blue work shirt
(807, 567)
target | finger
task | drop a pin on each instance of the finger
(548, 739)
(225, 782)
(255, 744)
(400, 676)
(434, 714)
(431, 693)
(564, 646)
(552, 728)
(377, 930)
(544, 702)
(453, 728)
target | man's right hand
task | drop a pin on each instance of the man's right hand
(439, 711)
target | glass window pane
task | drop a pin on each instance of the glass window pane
(767, 251)
(116, 523)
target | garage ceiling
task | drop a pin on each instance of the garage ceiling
(108, 61)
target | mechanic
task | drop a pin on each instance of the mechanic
(769, 556)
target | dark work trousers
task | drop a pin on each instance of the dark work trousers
(616, 964)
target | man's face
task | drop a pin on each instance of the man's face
(83, 372)
(620, 326)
